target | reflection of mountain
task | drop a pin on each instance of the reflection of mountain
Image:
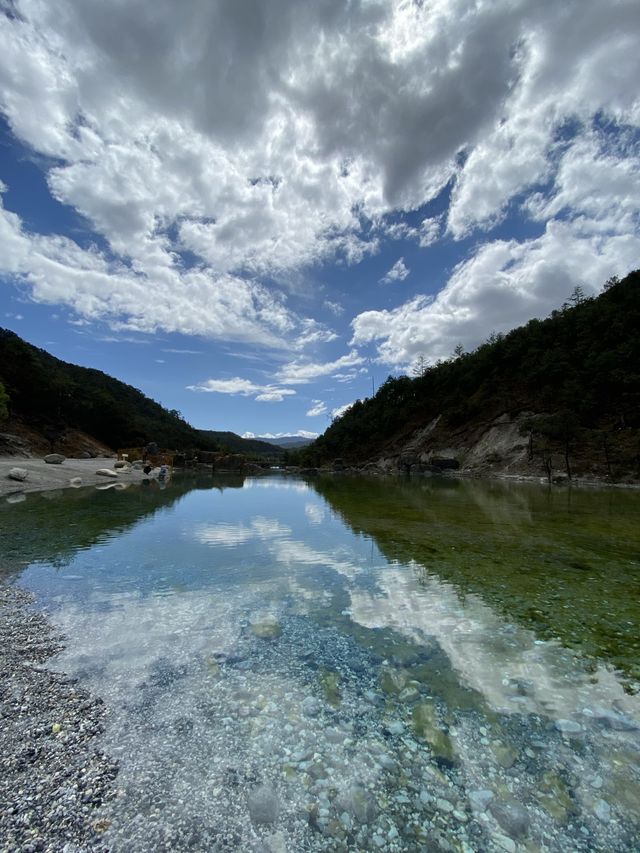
(563, 563)
(53, 526)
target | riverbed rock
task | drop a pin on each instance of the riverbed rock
(479, 800)
(511, 816)
(311, 706)
(121, 464)
(76, 482)
(264, 805)
(19, 474)
(426, 725)
(54, 458)
(106, 472)
(267, 628)
(359, 803)
(568, 727)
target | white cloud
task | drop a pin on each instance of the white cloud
(398, 272)
(301, 433)
(263, 141)
(334, 307)
(244, 388)
(318, 408)
(340, 410)
(505, 283)
(302, 372)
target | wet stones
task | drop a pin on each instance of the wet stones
(568, 727)
(393, 681)
(479, 800)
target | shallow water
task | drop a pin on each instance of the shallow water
(351, 664)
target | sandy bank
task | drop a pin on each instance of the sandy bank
(42, 476)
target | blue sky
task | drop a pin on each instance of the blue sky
(256, 212)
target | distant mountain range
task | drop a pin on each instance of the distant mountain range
(288, 441)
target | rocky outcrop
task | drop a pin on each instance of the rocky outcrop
(14, 445)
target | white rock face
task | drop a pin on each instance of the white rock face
(106, 472)
(18, 474)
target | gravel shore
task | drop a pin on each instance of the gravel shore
(53, 777)
(42, 476)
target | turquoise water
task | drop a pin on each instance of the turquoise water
(349, 664)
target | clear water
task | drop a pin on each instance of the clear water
(351, 664)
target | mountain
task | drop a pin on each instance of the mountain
(289, 441)
(53, 399)
(558, 397)
(248, 446)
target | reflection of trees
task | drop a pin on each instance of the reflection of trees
(562, 562)
(54, 530)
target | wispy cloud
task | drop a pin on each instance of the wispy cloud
(301, 372)
(318, 408)
(244, 388)
(398, 272)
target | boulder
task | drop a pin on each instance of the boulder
(18, 474)
(106, 472)
(75, 482)
(54, 459)
(84, 455)
(121, 463)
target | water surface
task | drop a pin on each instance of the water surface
(351, 664)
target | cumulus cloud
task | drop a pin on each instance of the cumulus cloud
(398, 272)
(244, 388)
(301, 372)
(221, 149)
(318, 408)
(340, 410)
(301, 433)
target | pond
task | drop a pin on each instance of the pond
(349, 663)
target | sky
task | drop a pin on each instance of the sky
(255, 212)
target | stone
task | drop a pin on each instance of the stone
(19, 474)
(121, 464)
(54, 459)
(568, 727)
(266, 629)
(359, 803)
(84, 455)
(392, 680)
(479, 800)
(106, 472)
(511, 816)
(311, 706)
(603, 811)
(425, 725)
(505, 843)
(264, 805)
(505, 755)
(75, 482)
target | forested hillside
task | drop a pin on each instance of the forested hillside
(249, 446)
(52, 396)
(572, 381)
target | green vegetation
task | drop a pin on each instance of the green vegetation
(4, 403)
(52, 396)
(575, 374)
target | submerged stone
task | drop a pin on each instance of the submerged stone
(359, 803)
(425, 724)
(393, 681)
(264, 805)
(511, 816)
(330, 683)
(266, 629)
